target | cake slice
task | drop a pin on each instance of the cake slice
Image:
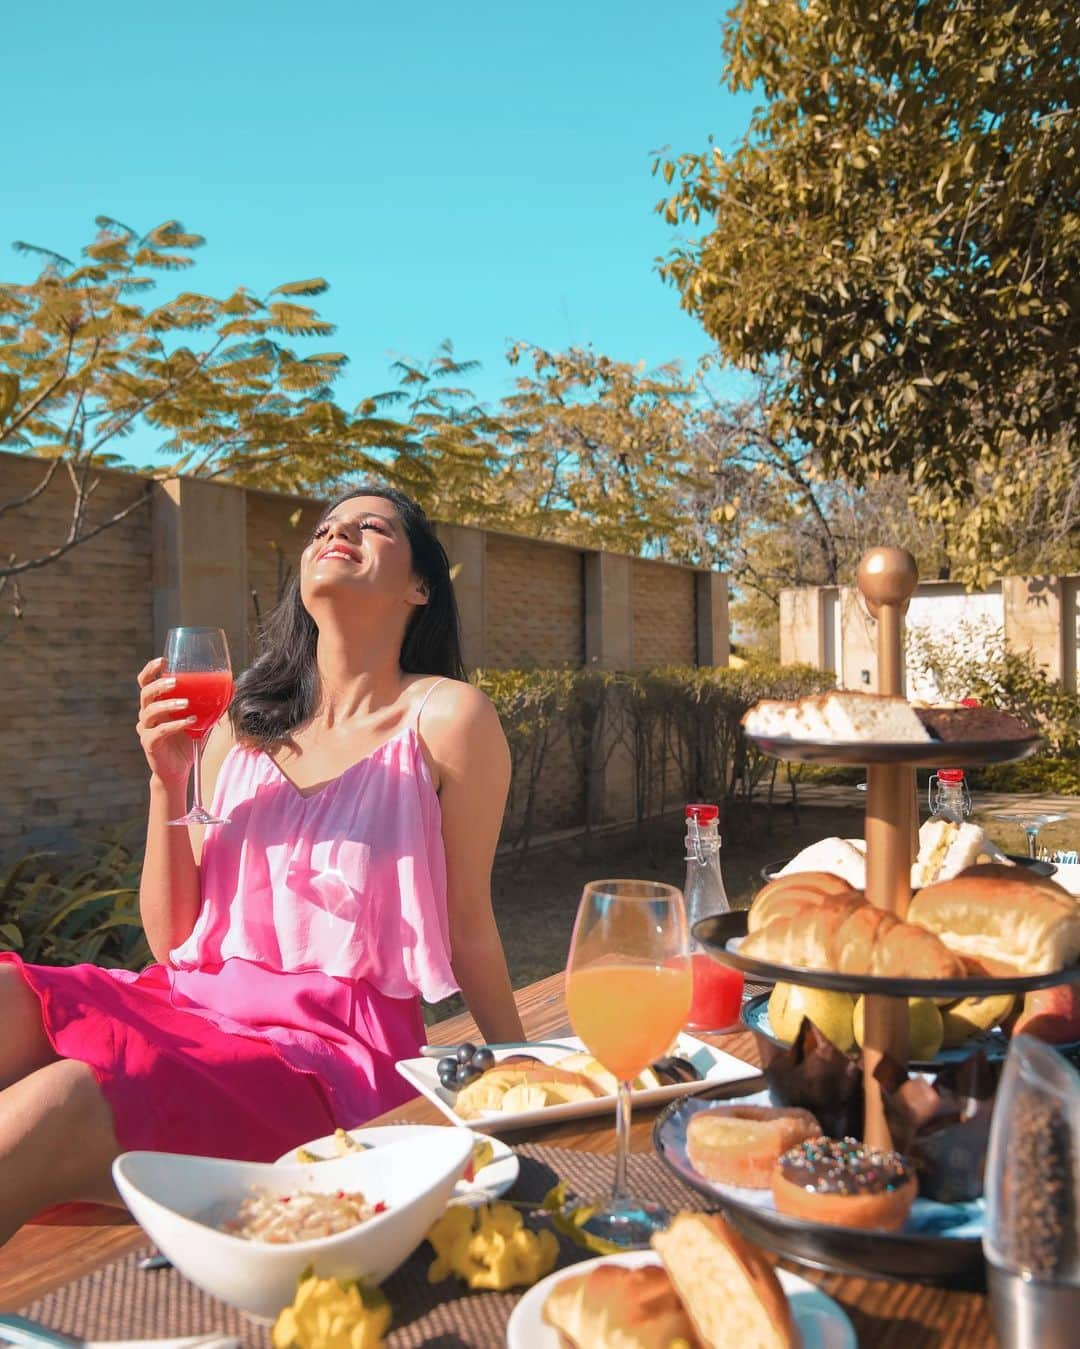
(839, 716)
(727, 1285)
(871, 716)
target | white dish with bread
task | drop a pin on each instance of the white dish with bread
(705, 1286)
(541, 1084)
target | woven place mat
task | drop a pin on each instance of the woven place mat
(120, 1301)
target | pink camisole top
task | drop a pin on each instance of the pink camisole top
(324, 917)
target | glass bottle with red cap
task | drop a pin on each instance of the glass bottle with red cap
(948, 792)
(717, 989)
(949, 795)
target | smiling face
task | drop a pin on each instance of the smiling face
(360, 548)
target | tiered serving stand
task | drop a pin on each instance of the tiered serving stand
(887, 578)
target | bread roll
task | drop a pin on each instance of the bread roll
(615, 1306)
(805, 888)
(851, 938)
(727, 1285)
(999, 913)
(739, 1144)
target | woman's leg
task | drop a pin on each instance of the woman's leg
(24, 1046)
(57, 1143)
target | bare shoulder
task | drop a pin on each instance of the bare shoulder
(455, 715)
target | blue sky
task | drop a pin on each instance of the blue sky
(476, 171)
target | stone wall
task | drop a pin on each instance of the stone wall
(535, 604)
(69, 756)
(211, 553)
(665, 628)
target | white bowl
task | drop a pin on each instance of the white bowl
(177, 1200)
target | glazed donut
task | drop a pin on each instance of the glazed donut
(740, 1144)
(841, 1181)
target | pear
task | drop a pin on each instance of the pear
(971, 1016)
(830, 1012)
(926, 1029)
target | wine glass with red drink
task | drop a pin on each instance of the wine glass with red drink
(198, 660)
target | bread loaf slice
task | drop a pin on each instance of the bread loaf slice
(727, 1285)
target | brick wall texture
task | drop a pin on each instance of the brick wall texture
(69, 756)
(664, 631)
(276, 536)
(535, 604)
(70, 761)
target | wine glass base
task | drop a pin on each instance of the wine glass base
(630, 1224)
(198, 816)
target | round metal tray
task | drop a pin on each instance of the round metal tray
(929, 1255)
(913, 753)
(716, 931)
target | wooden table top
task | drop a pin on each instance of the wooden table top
(71, 1241)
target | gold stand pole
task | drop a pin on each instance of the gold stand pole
(887, 578)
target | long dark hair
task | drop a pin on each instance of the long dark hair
(277, 692)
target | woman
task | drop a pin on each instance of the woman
(364, 785)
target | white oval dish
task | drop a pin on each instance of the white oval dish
(178, 1200)
(490, 1182)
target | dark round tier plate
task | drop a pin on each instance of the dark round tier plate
(993, 1043)
(930, 1255)
(912, 753)
(714, 933)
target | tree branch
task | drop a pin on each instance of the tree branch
(18, 568)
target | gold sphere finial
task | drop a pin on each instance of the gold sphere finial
(887, 576)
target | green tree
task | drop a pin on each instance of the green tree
(448, 453)
(593, 449)
(764, 510)
(216, 384)
(897, 240)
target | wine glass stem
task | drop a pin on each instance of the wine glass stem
(1032, 836)
(197, 804)
(619, 1193)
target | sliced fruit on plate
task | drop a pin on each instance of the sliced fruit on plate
(523, 1097)
(606, 1080)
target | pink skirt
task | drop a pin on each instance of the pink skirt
(186, 1079)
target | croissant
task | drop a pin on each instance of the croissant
(851, 939)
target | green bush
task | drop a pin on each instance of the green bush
(975, 661)
(60, 910)
(681, 726)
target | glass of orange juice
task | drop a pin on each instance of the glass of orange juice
(628, 988)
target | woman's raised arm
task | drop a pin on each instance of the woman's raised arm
(169, 891)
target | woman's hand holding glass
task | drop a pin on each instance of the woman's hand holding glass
(163, 724)
(196, 672)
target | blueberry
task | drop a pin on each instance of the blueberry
(465, 1074)
(465, 1052)
(483, 1059)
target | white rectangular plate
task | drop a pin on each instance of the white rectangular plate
(714, 1065)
